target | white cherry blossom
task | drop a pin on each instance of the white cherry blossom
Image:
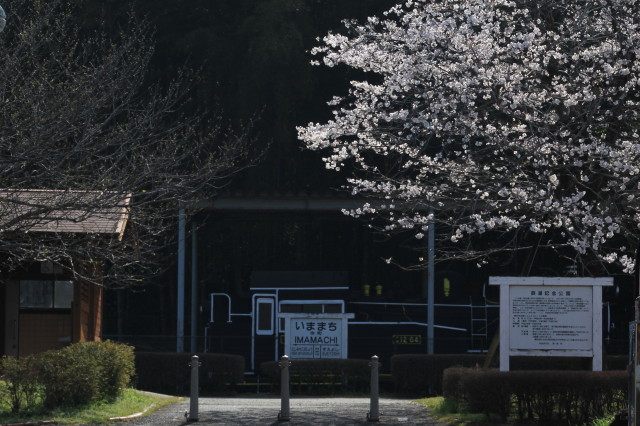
(497, 115)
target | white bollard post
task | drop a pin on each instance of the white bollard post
(374, 409)
(284, 415)
(193, 403)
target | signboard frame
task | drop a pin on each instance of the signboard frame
(341, 333)
(594, 285)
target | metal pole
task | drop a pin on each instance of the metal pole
(193, 403)
(431, 285)
(194, 287)
(3, 19)
(633, 409)
(181, 264)
(636, 369)
(284, 415)
(374, 409)
(631, 369)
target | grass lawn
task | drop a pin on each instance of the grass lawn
(442, 411)
(130, 402)
(445, 412)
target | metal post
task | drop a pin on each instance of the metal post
(431, 284)
(631, 370)
(284, 415)
(3, 19)
(193, 403)
(636, 369)
(181, 264)
(194, 286)
(374, 409)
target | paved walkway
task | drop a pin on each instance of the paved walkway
(304, 411)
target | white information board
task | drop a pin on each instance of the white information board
(547, 316)
(316, 336)
(557, 317)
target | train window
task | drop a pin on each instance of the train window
(264, 316)
(333, 308)
(312, 308)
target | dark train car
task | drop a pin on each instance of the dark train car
(293, 259)
(268, 276)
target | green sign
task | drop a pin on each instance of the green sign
(406, 339)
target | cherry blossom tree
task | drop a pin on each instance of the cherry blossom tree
(497, 116)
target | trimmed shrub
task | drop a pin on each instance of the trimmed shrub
(421, 375)
(570, 397)
(74, 375)
(68, 379)
(84, 372)
(169, 372)
(322, 376)
(487, 393)
(451, 387)
(21, 382)
(115, 364)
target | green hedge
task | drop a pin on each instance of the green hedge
(322, 376)
(420, 375)
(168, 372)
(74, 375)
(21, 385)
(569, 397)
(84, 372)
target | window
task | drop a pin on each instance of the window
(264, 317)
(42, 294)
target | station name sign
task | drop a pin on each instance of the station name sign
(316, 336)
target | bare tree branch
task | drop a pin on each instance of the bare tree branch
(78, 119)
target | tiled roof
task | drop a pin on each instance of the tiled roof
(39, 210)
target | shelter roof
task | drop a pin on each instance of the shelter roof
(64, 211)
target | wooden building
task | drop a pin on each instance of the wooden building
(46, 306)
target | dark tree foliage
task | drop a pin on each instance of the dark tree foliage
(79, 118)
(254, 57)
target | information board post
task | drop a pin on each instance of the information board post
(547, 316)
